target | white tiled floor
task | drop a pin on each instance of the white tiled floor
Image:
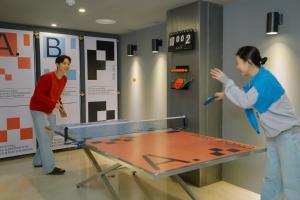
(19, 180)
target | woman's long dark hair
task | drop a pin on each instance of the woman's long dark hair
(251, 53)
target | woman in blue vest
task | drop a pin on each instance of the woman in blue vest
(266, 104)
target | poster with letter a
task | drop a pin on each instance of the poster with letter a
(101, 79)
(17, 80)
(53, 45)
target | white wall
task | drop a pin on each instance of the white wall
(146, 97)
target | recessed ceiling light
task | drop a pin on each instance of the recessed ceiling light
(82, 10)
(70, 2)
(106, 21)
(54, 25)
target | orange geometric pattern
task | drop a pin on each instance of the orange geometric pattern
(9, 48)
(8, 44)
(3, 136)
(26, 39)
(8, 77)
(26, 133)
(13, 123)
(23, 62)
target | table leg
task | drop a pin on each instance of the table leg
(105, 180)
(184, 186)
(92, 159)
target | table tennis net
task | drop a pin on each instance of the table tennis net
(83, 131)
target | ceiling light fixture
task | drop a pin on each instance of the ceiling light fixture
(82, 10)
(70, 2)
(106, 21)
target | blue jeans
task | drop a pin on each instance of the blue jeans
(283, 167)
(44, 155)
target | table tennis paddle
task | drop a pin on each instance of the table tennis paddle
(209, 100)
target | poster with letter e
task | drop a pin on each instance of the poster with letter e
(16, 88)
(53, 45)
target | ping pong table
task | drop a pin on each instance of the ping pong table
(158, 147)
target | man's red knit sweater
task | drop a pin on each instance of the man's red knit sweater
(47, 92)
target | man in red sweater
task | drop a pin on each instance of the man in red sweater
(45, 100)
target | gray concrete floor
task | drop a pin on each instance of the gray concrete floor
(19, 180)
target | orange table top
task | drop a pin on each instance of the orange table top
(161, 151)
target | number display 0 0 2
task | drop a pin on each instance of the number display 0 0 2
(181, 40)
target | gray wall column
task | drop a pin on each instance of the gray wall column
(206, 19)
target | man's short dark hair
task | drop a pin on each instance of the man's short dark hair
(61, 59)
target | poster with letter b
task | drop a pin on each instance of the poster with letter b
(53, 45)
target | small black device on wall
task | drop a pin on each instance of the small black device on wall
(131, 48)
(181, 40)
(274, 19)
(156, 43)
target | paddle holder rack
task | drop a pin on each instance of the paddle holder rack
(183, 80)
